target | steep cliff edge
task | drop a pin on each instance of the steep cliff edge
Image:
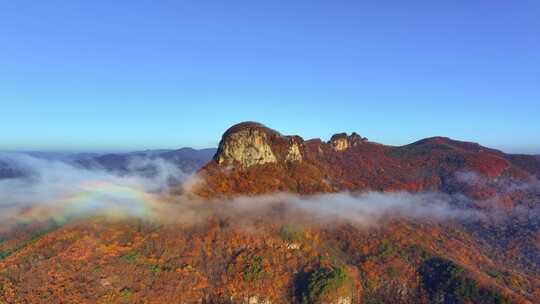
(250, 143)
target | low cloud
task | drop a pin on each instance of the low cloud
(59, 191)
(504, 184)
(365, 209)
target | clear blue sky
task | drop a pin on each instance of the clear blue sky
(101, 75)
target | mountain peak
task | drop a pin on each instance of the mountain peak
(246, 126)
(252, 143)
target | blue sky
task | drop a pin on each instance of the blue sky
(122, 75)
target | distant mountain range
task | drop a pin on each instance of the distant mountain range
(187, 160)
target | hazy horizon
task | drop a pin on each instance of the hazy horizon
(180, 146)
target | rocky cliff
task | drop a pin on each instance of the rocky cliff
(342, 142)
(250, 143)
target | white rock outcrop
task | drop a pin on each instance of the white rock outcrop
(248, 147)
(340, 144)
(249, 143)
(341, 141)
(294, 153)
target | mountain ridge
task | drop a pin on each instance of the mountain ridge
(187, 160)
(273, 162)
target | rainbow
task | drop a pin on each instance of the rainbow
(95, 198)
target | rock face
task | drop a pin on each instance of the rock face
(250, 143)
(294, 153)
(342, 142)
(246, 143)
